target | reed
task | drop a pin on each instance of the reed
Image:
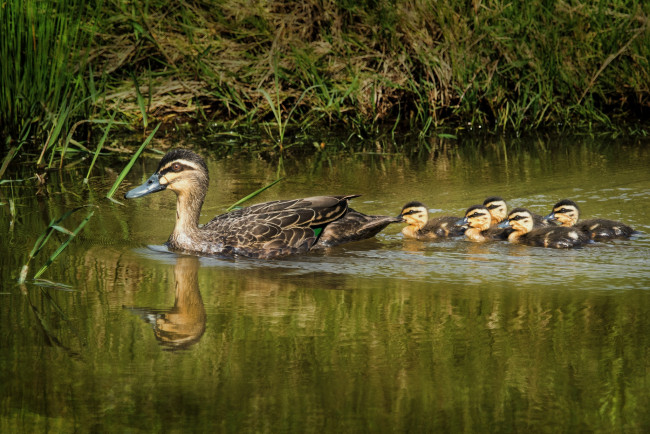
(43, 47)
(54, 226)
(129, 165)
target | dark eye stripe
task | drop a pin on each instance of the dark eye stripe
(493, 206)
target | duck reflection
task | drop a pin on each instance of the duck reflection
(184, 324)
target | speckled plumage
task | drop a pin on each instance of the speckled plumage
(557, 237)
(567, 213)
(266, 230)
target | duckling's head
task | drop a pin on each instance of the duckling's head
(566, 212)
(497, 207)
(477, 217)
(415, 214)
(520, 219)
(182, 171)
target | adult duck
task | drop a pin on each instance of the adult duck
(266, 230)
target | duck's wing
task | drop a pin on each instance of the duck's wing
(445, 226)
(602, 229)
(540, 222)
(354, 226)
(276, 228)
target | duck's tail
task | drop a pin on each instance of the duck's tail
(354, 226)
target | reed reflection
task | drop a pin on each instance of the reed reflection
(182, 325)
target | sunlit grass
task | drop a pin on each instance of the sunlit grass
(130, 164)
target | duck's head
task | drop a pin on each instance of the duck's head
(476, 217)
(497, 207)
(519, 219)
(566, 212)
(415, 214)
(181, 171)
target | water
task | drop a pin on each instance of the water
(384, 335)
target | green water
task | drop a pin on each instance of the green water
(384, 335)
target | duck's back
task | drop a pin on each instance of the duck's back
(442, 227)
(602, 229)
(556, 237)
(353, 226)
(272, 229)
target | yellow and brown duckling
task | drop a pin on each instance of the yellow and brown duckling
(499, 211)
(421, 227)
(478, 221)
(266, 230)
(567, 213)
(521, 222)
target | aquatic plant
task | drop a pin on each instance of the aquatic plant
(130, 164)
(55, 225)
(43, 48)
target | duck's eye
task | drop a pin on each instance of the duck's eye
(176, 167)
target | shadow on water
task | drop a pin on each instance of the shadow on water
(386, 334)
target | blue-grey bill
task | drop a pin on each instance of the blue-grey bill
(152, 185)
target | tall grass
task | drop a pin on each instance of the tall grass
(503, 65)
(42, 51)
(420, 65)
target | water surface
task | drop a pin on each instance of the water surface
(382, 335)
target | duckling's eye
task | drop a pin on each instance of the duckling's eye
(176, 167)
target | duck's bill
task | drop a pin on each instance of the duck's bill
(550, 217)
(504, 224)
(462, 222)
(152, 185)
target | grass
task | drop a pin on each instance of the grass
(130, 164)
(423, 66)
(55, 225)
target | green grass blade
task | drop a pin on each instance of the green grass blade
(63, 246)
(126, 170)
(140, 98)
(99, 146)
(7, 159)
(252, 195)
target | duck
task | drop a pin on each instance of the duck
(499, 211)
(566, 212)
(479, 223)
(266, 230)
(420, 227)
(523, 232)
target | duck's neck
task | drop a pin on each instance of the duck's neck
(188, 211)
(475, 234)
(514, 236)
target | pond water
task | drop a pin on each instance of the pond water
(383, 335)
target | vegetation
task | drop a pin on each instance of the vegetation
(283, 65)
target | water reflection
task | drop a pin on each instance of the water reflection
(182, 325)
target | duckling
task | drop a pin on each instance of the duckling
(521, 221)
(421, 227)
(266, 230)
(499, 211)
(478, 221)
(497, 207)
(567, 213)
